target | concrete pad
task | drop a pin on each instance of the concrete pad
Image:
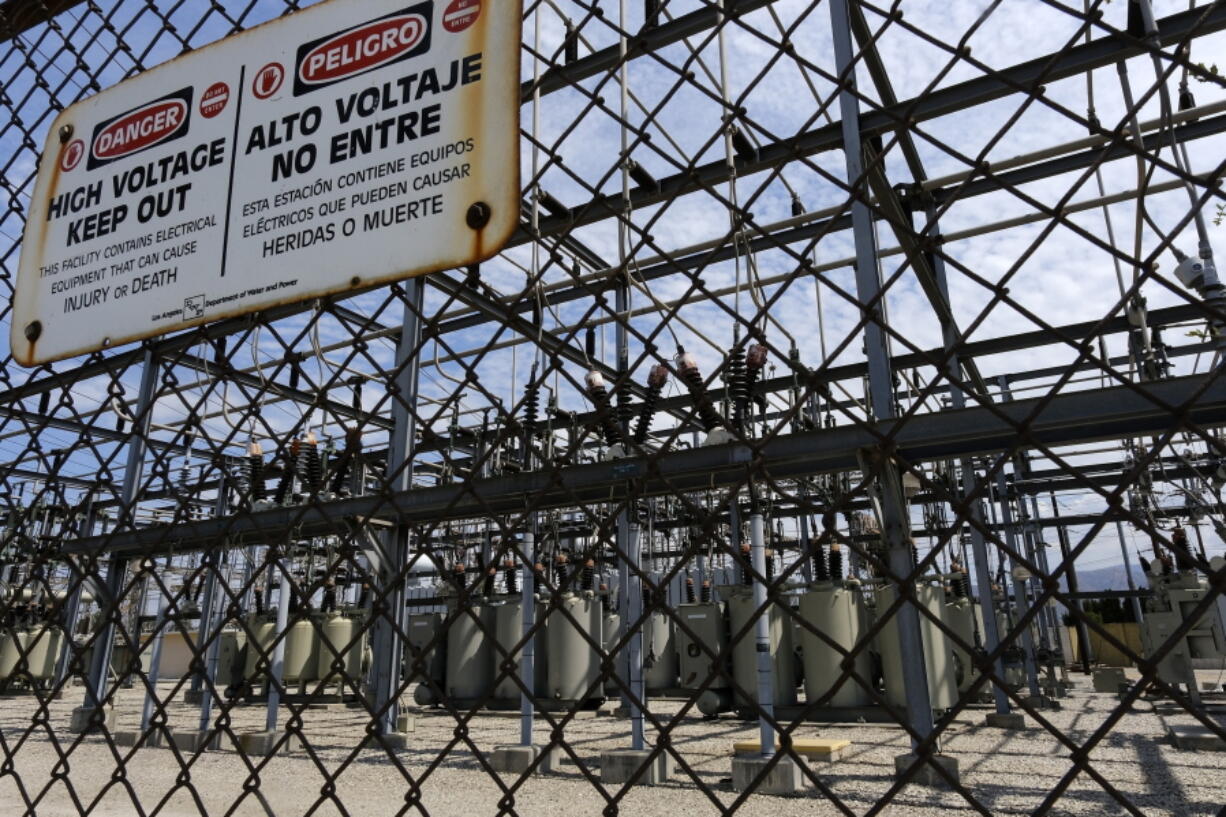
(396, 741)
(1195, 737)
(783, 778)
(517, 759)
(926, 775)
(1005, 720)
(87, 719)
(620, 765)
(130, 737)
(260, 744)
(828, 750)
(193, 740)
(1109, 679)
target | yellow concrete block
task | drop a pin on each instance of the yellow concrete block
(820, 748)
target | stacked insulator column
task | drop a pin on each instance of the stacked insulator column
(755, 363)
(255, 472)
(312, 464)
(738, 386)
(687, 370)
(599, 395)
(287, 475)
(656, 381)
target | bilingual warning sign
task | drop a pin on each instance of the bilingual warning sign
(352, 143)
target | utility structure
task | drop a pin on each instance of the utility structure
(808, 390)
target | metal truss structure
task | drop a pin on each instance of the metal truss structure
(892, 302)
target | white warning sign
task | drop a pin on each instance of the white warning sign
(352, 143)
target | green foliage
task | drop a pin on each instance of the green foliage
(1109, 611)
(1210, 69)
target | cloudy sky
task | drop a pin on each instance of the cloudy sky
(1058, 274)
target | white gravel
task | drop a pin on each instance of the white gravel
(1005, 772)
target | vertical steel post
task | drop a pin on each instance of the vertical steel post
(762, 635)
(983, 584)
(628, 536)
(1020, 596)
(387, 669)
(527, 658)
(73, 611)
(155, 663)
(1132, 583)
(806, 542)
(277, 670)
(1083, 632)
(96, 683)
(983, 589)
(895, 522)
(211, 618)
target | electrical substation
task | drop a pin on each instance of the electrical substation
(612, 407)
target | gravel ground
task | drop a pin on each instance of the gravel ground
(1005, 772)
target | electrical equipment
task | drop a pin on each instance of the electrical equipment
(1175, 599)
(938, 652)
(705, 654)
(741, 611)
(838, 614)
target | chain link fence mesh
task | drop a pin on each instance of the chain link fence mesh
(850, 378)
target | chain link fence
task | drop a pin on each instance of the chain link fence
(839, 432)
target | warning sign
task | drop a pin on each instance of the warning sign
(348, 144)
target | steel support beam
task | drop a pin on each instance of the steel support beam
(1064, 419)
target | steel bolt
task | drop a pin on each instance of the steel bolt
(478, 215)
(34, 330)
(66, 132)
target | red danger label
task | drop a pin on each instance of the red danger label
(213, 101)
(363, 48)
(460, 14)
(141, 128)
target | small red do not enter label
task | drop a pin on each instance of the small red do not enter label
(460, 14)
(213, 101)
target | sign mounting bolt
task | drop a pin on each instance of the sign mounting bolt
(478, 215)
(66, 132)
(34, 330)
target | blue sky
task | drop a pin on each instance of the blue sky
(1063, 278)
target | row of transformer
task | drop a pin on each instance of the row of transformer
(826, 638)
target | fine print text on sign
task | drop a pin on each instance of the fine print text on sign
(348, 144)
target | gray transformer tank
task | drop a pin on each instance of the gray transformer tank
(744, 654)
(470, 655)
(937, 649)
(706, 620)
(574, 639)
(509, 628)
(836, 612)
